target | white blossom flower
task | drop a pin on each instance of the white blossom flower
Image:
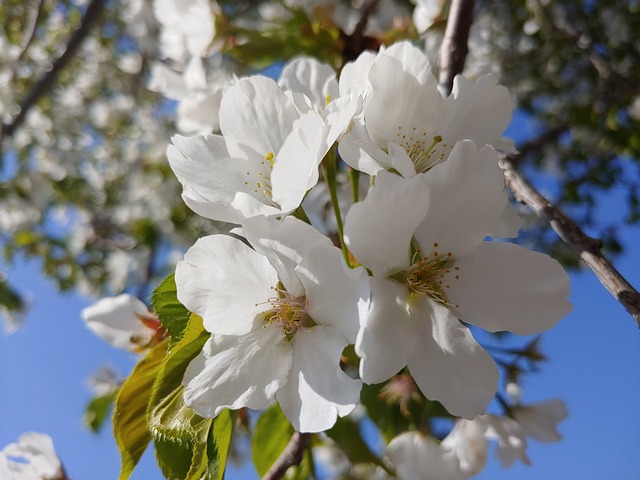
(265, 160)
(123, 321)
(406, 124)
(280, 317)
(422, 238)
(416, 456)
(33, 457)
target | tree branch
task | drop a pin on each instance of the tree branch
(42, 86)
(454, 48)
(292, 455)
(571, 234)
(590, 249)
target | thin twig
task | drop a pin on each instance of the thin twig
(590, 249)
(454, 48)
(292, 455)
(42, 86)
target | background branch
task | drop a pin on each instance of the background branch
(570, 233)
(453, 47)
(292, 455)
(44, 84)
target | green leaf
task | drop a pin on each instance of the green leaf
(187, 446)
(173, 315)
(273, 432)
(180, 438)
(218, 443)
(346, 434)
(180, 354)
(129, 417)
(98, 410)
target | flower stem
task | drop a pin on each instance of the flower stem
(354, 178)
(300, 214)
(329, 168)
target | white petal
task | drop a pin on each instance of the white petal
(510, 223)
(506, 287)
(540, 420)
(378, 230)
(310, 77)
(337, 295)
(209, 176)
(382, 339)
(256, 115)
(447, 363)
(117, 320)
(359, 152)
(38, 450)
(285, 243)
(419, 457)
(467, 200)
(408, 105)
(478, 110)
(238, 371)
(512, 443)
(296, 167)
(354, 75)
(226, 283)
(413, 61)
(317, 390)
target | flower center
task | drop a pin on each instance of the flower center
(258, 180)
(431, 275)
(288, 312)
(423, 150)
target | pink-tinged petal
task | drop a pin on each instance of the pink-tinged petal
(379, 229)
(337, 295)
(540, 420)
(382, 339)
(416, 456)
(118, 321)
(226, 283)
(317, 390)
(308, 76)
(285, 243)
(467, 197)
(295, 169)
(478, 110)
(256, 115)
(235, 371)
(506, 287)
(447, 363)
(394, 114)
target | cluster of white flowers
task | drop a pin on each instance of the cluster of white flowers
(463, 453)
(282, 303)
